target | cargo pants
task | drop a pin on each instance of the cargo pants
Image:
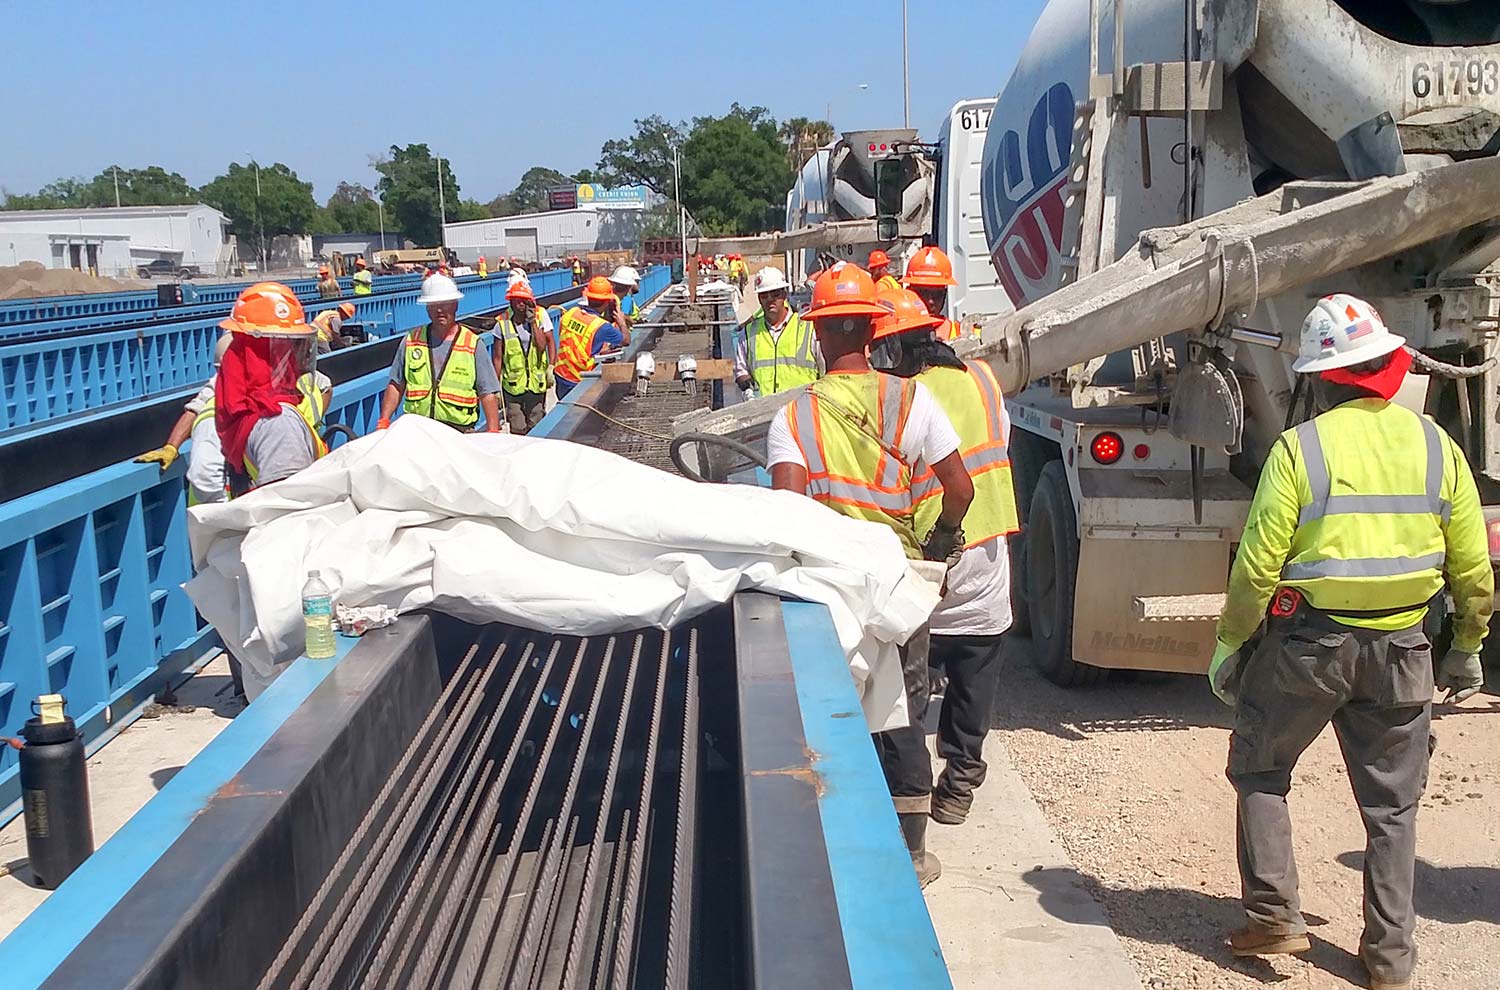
(903, 752)
(1376, 688)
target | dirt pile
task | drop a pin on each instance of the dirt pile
(31, 279)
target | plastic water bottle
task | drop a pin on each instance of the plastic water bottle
(317, 615)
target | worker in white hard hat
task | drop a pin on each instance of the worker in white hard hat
(775, 350)
(1363, 516)
(626, 282)
(443, 370)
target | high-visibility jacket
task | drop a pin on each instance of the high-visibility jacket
(522, 368)
(974, 402)
(575, 343)
(849, 428)
(362, 282)
(1367, 510)
(328, 323)
(455, 400)
(948, 330)
(888, 281)
(778, 363)
(309, 407)
(484, 270)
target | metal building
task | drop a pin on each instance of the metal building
(115, 241)
(545, 236)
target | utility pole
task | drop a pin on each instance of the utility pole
(116, 170)
(681, 211)
(905, 71)
(380, 208)
(260, 223)
(442, 208)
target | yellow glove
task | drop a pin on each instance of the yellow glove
(1223, 672)
(161, 455)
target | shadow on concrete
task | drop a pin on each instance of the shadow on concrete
(20, 869)
(1452, 894)
(1190, 920)
(160, 777)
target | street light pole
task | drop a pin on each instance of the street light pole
(442, 209)
(905, 71)
(380, 208)
(116, 170)
(681, 212)
(260, 222)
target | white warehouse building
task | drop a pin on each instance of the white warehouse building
(115, 241)
(545, 236)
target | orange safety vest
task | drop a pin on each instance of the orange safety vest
(575, 343)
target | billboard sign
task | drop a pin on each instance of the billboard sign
(620, 198)
(562, 199)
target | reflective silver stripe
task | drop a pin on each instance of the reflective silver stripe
(889, 474)
(802, 358)
(977, 461)
(806, 435)
(987, 389)
(1363, 567)
(1326, 504)
(927, 485)
(892, 502)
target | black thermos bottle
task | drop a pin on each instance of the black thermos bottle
(55, 798)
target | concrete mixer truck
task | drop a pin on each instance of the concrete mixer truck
(1165, 188)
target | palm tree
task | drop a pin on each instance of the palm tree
(802, 139)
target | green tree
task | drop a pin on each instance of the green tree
(644, 158)
(409, 186)
(151, 186)
(734, 171)
(285, 203)
(467, 209)
(802, 138)
(352, 208)
(530, 193)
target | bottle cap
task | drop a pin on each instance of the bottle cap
(313, 573)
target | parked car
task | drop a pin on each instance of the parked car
(166, 268)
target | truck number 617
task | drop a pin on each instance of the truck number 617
(1455, 77)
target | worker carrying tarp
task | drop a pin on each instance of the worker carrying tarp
(929, 275)
(268, 408)
(880, 270)
(363, 280)
(525, 352)
(775, 350)
(586, 332)
(1363, 515)
(969, 623)
(443, 371)
(856, 440)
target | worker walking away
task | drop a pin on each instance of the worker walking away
(364, 282)
(775, 350)
(851, 441)
(929, 275)
(268, 400)
(1362, 516)
(524, 358)
(739, 272)
(329, 326)
(484, 268)
(626, 281)
(880, 270)
(586, 332)
(577, 267)
(328, 286)
(205, 473)
(969, 623)
(443, 371)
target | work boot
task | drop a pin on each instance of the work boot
(949, 808)
(1257, 940)
(914, 828)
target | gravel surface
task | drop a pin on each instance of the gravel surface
(1131, 777)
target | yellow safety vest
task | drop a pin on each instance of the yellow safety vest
(780, 363)
(849, 428)
(1369, 534)
(522, 369)
(323, 323)
(484, 270)
(889, 281)
(309, 407)
(362, 280)
(455, 400)
(974, 402)
(575, 343)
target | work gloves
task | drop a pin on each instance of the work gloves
(945, 543)
(1224, 672)
(161, 455)
(1461, 674)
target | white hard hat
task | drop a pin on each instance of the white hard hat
(1342, 331)
(769, 279)
(439, 289)
(625, 275)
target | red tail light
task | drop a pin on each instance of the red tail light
(1142, 451)
(1493, 529)
(1107, 448)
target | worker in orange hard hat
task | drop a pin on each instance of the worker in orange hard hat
(856, 440)
(363, 280)
(929, 275)
(328, 286)
(588, 331)
(880, 270)
(269, 402)
(484, 267)
(969, 623)
(329, 325)
(525, 353)
(577, 267)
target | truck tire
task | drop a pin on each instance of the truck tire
(1026, 462)
(1052, 574)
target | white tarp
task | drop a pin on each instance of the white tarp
(545, 534)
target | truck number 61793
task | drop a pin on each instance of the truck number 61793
(1455, 77)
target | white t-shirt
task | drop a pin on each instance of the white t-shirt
(929, 434)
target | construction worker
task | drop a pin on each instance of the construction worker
(329, 325)
(626, 281)
(585, 332)
(205, 474)
(328, 286)
(1361, 518)
(840, 444)
(775, 349)
(969, 623)
(363, 280)
(268, 404)
(484, 268)
(524, 357)
(739, 272)
(577, 267)
(880, 270)
(929, 275)
(443, 371)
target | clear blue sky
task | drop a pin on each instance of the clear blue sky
(323, 86)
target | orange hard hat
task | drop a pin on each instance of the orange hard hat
(930, 268)
(907, 312)
(600, 289)
(520, 289)
(268, 309)
(359, 263)
(346, 310)
(847, 292)
(879, 258)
